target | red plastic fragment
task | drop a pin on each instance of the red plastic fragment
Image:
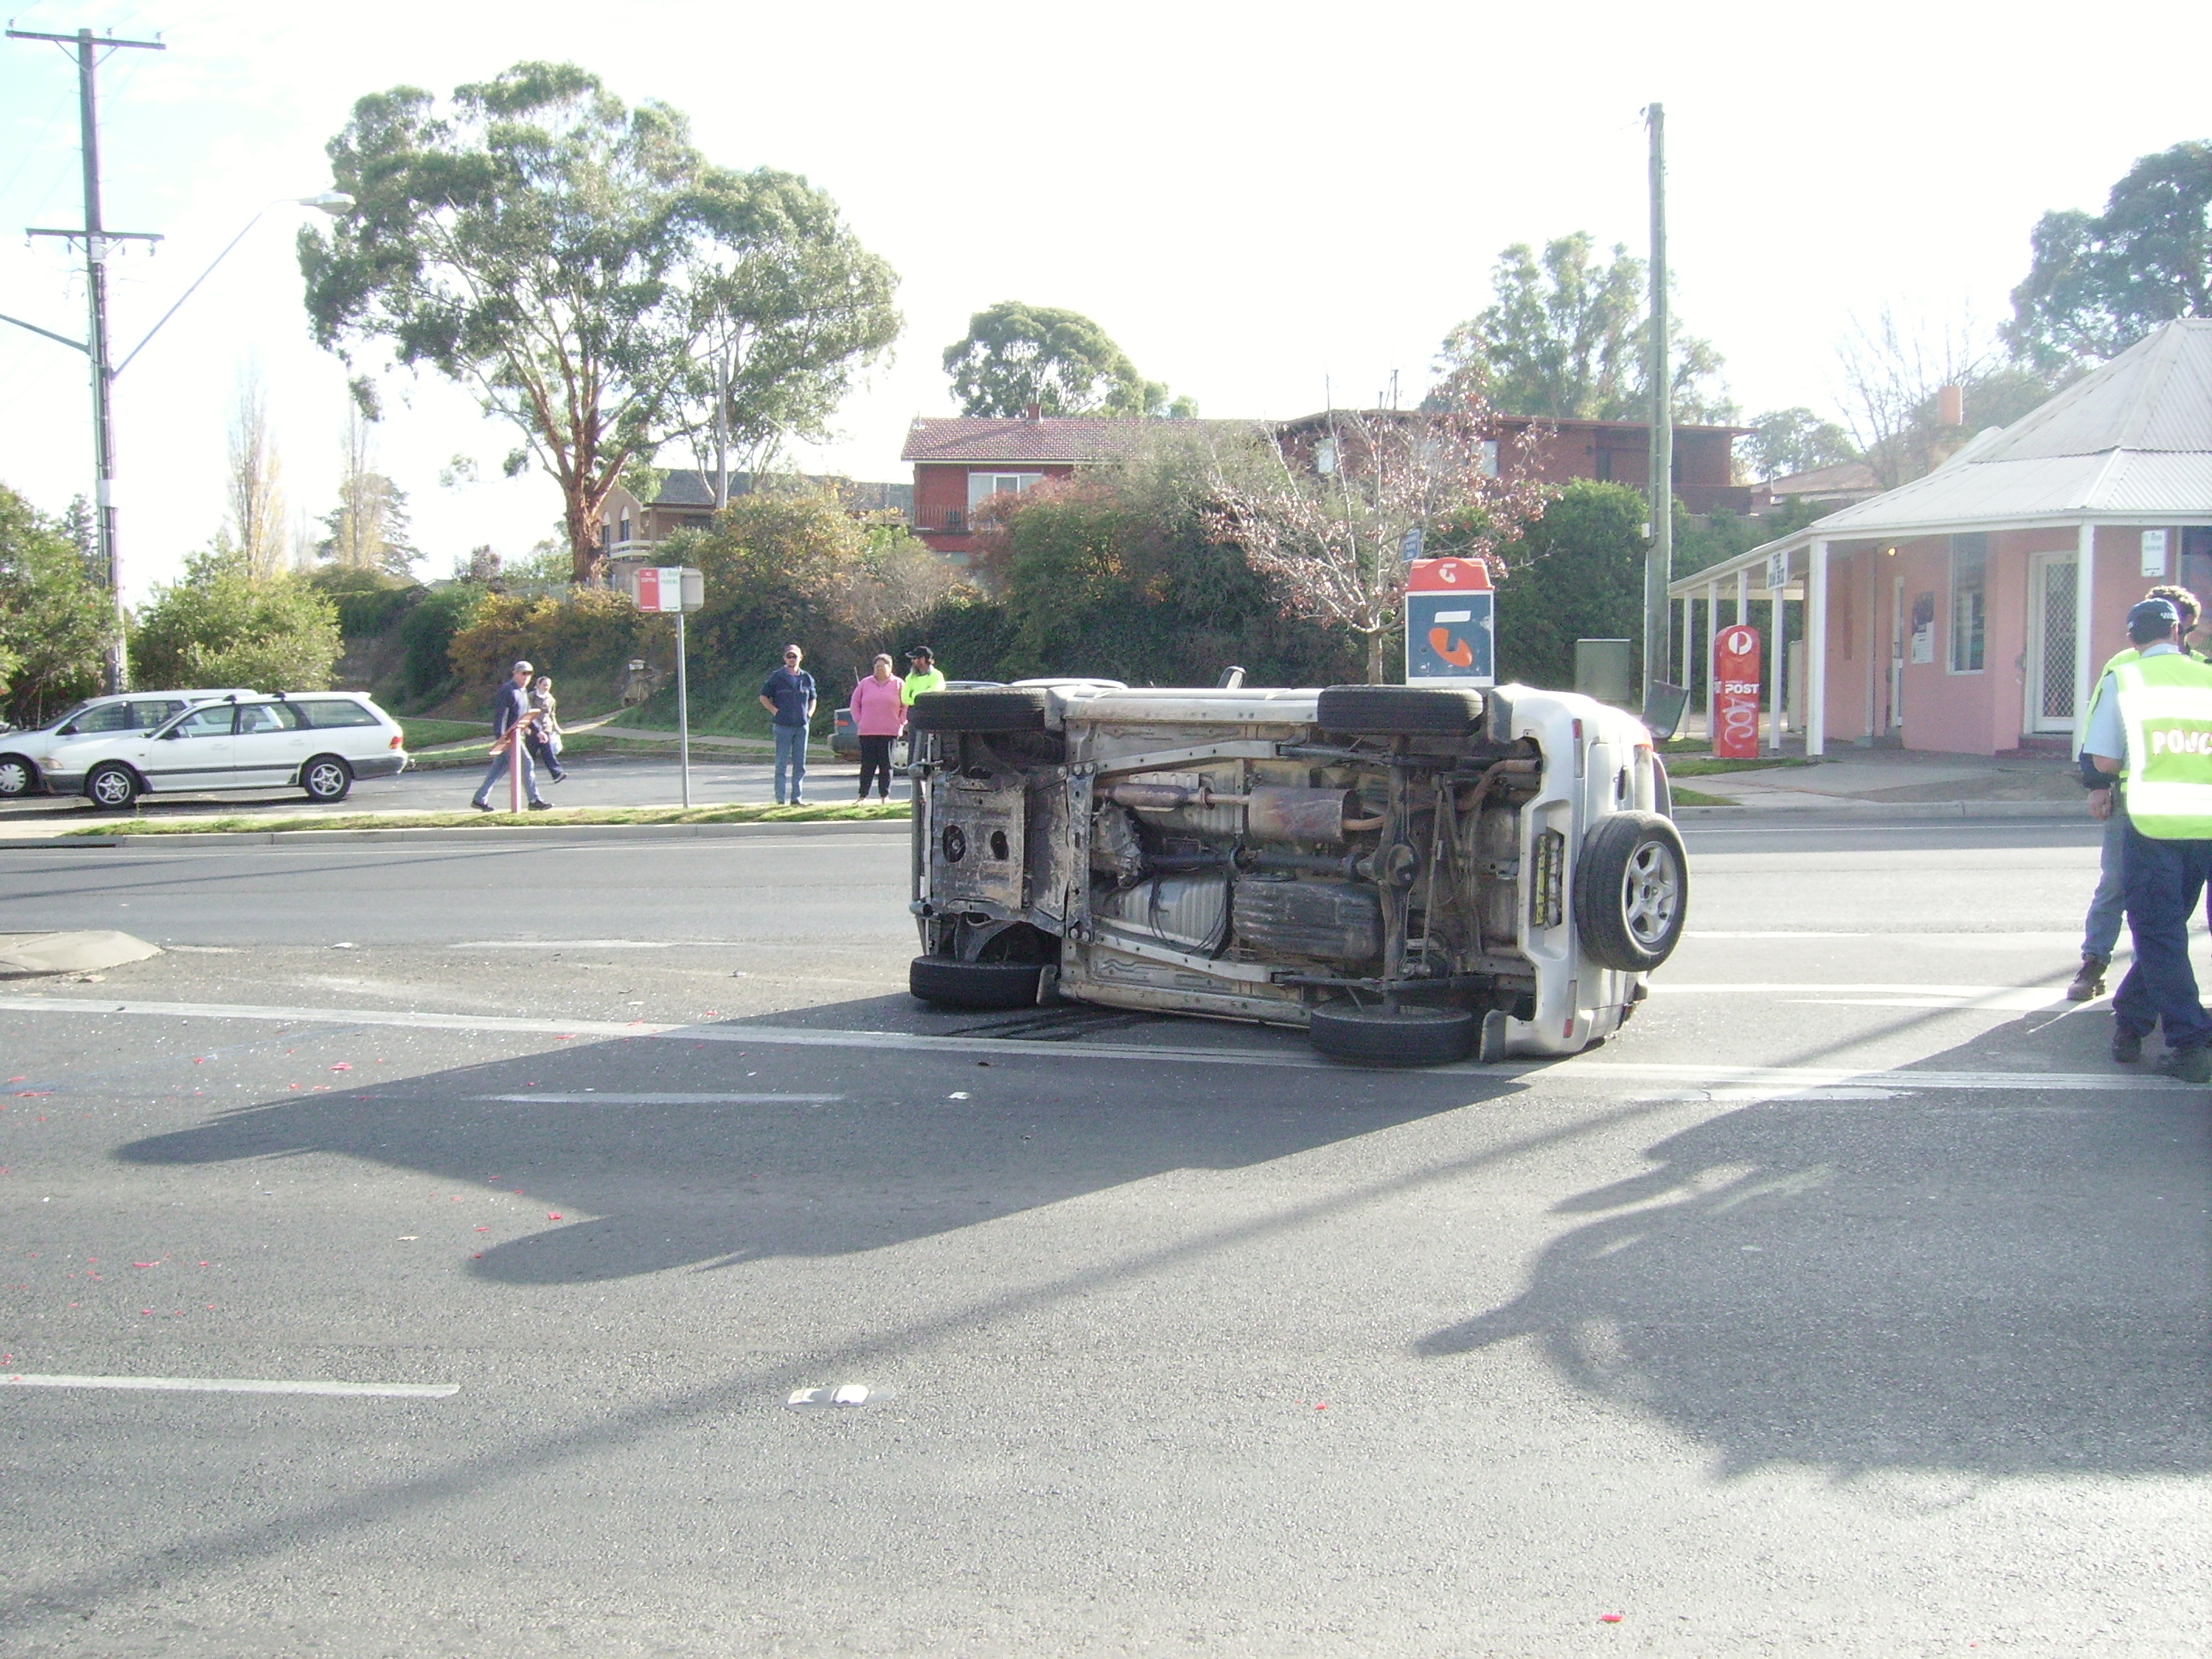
(1608, 1619)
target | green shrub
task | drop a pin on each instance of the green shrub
(221, 627)
(426, 638)
(369, 603)
(1577, 575)
(585, 640)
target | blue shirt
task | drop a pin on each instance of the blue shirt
(512, 703)
(2107, 735)
(792, 694)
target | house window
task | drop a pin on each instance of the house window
(625, 536)
(982, 486)
(1970, 556)
(1490, 458)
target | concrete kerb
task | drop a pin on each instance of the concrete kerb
(1844, 807)
(495, 832)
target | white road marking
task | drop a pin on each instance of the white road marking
(1570, 1068)
(235, 1385)
(1698, 933)
(569, 944)
(603, 1098)
(1890, 988)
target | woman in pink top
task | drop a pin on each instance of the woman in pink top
(878, 715)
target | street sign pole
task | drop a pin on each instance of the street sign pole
(683, 711)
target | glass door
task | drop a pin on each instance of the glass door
(2051, 641)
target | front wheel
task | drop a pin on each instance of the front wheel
(18, 776)
(951, 983)
(326, 779)
(1394, 1037)
(1632, 892)
(112, 787)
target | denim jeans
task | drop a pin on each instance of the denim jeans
(2163, 880)
(497, 770)
(790, 758)
(2100, 931)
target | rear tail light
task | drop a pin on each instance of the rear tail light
(398, 739)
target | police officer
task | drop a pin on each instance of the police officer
(2152, 725)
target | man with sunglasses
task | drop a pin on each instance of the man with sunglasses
(788, 695)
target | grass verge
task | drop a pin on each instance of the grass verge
(422, 733)
(1706, 766)
(1698, 798)
(851, 812)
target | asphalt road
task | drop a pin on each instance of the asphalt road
(592, 780)
(1850, 1301)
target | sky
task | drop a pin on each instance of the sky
(1263, 205)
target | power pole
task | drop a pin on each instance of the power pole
(1659, 558)
(97, 240)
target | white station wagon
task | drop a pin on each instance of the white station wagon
(318, 741)
(24, 755)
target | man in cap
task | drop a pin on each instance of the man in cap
(510, 718)
(2151, 725)
(921, 674)
(2101, 928)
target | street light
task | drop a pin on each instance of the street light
(336, 202)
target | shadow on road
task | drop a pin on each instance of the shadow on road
(1984, 1283)
(901, 1145)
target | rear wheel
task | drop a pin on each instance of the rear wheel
(1632, 892)
(326, 779)
(1396, 1037)
(112, 787)
(951, 983)
(1394, 710)
(18, 776)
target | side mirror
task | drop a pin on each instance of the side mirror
(68, 730)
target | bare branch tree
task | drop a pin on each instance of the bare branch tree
(256, 529)
(1892, 378)
(1327, 521)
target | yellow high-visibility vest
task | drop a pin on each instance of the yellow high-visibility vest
(2166, 709)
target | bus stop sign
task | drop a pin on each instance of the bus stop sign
(1451, 623)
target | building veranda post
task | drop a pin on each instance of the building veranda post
(1966, 613)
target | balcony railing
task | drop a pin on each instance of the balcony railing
(949, 520)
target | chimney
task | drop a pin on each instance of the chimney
(1035, 412)
(1950, 406)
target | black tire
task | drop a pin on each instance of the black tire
(1632, 892)
(1009, 708)
(950, 983)
(327, 780)
(18, 777)
(113, 785)
(1380, 1037)
(1394, 710)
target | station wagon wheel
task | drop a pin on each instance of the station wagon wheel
(1002, 708)
(326, 779)
(1632, 892)
(17, 776)
(112, 786)
(1399, 710)
(951, 983)
(1393, 1037)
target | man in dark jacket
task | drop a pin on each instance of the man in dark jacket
(788, 695)
(510, 712)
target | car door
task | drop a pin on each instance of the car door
(193, 754)
(268, 747)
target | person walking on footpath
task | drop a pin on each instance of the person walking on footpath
(787, 693)
(921, 674)
(2101, 928)
(2151, 726)
(512, 718)
(878, 709)
(545, 731)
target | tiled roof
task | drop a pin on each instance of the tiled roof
(1066, 438)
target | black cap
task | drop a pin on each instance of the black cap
(2152, 620)
(924, 651)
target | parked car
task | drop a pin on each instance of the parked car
(23, 755)
(844, 741)
(1409, 872)
(318, 741)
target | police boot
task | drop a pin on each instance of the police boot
(2188, 1066)
(2089, 984)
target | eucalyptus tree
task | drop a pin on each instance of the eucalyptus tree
(561, 255)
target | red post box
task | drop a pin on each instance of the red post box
(1736, 693)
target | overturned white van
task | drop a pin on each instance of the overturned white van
(1411, 874)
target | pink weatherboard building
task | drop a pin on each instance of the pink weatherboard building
(1966, 613)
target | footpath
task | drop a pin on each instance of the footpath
(1895, 783)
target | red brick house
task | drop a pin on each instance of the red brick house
(960, 463)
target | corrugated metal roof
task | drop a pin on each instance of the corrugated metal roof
(2156, 395)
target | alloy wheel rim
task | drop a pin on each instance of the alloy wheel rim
(111, 787)
(1651, 894)
(324, 780)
